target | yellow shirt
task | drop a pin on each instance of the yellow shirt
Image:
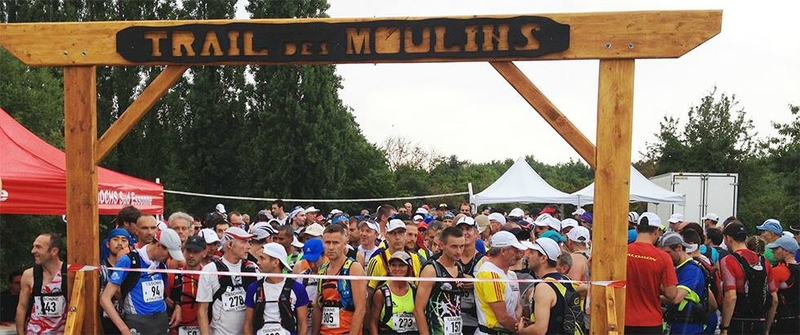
(376, 267)
(487, 292)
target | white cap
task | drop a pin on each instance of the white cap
(237, 233)
(652, 219)
(788, 233)
(542, 217)
(209, 235)
(371, 224)
(675, 218)
(220, 208)
(335, 211)
(395, 224)
(568, 223)
(547, 247)
(296, 243)
(497, 217)
(170, 240)
(579, 211)
(421, 210)
(466, 220)
(418, 218)
(712, 217)
(161, 225)
(311, 209)
(277, 251)
(554, 223)
(505, 239)
(265, 226)
(314, 229)
(579, 234)
(517, 212)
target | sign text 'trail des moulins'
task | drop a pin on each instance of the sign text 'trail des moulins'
(446, 39)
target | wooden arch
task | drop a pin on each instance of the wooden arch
(615, 38)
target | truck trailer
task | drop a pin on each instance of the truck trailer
(716, 193)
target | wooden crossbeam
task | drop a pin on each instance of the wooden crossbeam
(137, 110)
(574, 137)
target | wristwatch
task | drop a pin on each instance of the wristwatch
(724, 327)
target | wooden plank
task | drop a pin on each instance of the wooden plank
(576, 139)
(80, 135)
(612, 188)
(120, 128)
(77, 305)
(611, 311)
(605, 35)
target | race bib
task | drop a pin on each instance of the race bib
(153, 291)
(330, 317)
(452, 325)
(404, 322)
(52, 306)
(188, 330)
(272, 329)
(233, 301)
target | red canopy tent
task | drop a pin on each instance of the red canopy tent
(33, 178)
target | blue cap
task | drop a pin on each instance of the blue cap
(771, 225)
(313, 249)
(553, 235)
(787, 243)
(119, 232)
(632, 235)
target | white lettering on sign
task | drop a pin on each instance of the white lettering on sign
(120, 198)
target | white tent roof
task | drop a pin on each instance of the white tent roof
(642, 190)
(521, 184)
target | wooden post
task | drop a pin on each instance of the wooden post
(77, 304)
(612, 189)
(80, 135)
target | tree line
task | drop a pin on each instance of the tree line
(283, 131)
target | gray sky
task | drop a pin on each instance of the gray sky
(469, 110)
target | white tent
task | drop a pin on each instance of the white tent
(523, 185)
(642, 190)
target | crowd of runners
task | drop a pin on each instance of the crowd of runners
(424, 270)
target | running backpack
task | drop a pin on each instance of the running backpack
(38, 282)
(713, 281)
(345, 294)
(388, 306)
(132, 278)
(288, 320)
(574, 314)
(756, 299)
(226, 281)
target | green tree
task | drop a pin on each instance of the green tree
(784, 160)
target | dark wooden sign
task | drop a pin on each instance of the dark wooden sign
(366, 41)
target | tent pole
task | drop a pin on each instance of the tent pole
(80, 136)
(612, 190)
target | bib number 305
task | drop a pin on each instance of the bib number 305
(330, 317)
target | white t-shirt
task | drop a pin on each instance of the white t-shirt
(227, 320)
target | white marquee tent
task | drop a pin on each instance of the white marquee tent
(520, 183)
(642, 190)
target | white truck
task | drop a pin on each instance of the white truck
(716, 193)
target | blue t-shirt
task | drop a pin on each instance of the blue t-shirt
(480, 246)
(691, 276)
(271, 295)
(147, 296)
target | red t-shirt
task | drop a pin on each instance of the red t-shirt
(188, 301)
(780, 274)
(733, 277)
(649, 268)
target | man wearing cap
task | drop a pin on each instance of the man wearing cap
(687, 312)
(310, 263)
(787, 276)
(577, 213)
(368, 232)
(212, 245)
(116, 245)
(737, 316)
(378, 264)
(578, 240)
(221, 297)
(275, 305)
(498, 302)
(650, 273)
(516, 215)
(547, 309)
(311, 215)
(710, 220)
(586, 220)
(770, 231)
(262, 234)
(675, 220)
(313, 230)
(187, 283)
(496, 222)
(143, 293)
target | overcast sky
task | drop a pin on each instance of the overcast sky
(469, 110)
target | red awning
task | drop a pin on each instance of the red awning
(33, 178)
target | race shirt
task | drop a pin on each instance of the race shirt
(487, 292)
(49, 313)
(227, 312)
(272, 292)
(147, 296)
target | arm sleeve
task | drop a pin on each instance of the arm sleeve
(250, 296)
(300, 293)
(489, 291)
(117, 277)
